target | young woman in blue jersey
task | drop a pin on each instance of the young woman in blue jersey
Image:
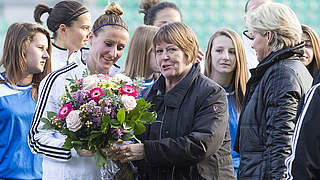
(141, 61)
(108, 39)
(226, 64)
(26, 59)
(70, 23)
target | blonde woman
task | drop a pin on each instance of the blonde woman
(108, 38)
(268, 115)
(141, 60)
(226, 64)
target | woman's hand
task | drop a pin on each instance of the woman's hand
(126, 153)
(85, 153)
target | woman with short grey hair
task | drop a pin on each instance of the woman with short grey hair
(276, 85)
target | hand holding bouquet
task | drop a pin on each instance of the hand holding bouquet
(98, 110)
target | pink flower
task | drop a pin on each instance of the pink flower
(96, 93)
(107, 75)
(80, 80)
(64, 111)
(129, 90)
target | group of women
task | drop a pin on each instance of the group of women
(200, 116)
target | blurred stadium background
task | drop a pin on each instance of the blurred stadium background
(203, 16)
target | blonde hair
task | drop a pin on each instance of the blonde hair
(18, 38)
(315, 42)
(182, 36)
(240, 75)
(138, 57)
(111, 17)
(280, 20)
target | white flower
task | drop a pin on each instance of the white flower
(90, 82)
(129, 102)
(73, 121)
(122, 77)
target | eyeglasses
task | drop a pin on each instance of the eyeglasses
(246, 33)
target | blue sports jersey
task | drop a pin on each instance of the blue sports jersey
(233, 125)
(16, 113)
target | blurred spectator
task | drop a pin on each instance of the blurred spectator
(311, 56)
(26, 59)
(158, 13)
(190, 139)
(226, 65)
(267, 119)
(141, 60)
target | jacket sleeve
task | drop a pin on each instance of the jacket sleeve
(206, 138)
(304, 161)
(48, 143)
(282, 93)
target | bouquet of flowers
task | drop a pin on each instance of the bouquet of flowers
(98, 110)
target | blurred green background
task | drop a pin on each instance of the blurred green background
(203, 16)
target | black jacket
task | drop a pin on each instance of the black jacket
(304, 161)
(191, 139)
(267, 119)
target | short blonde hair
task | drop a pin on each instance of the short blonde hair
(182, 36)
(138, 57)
(240, 74)
(280, 20)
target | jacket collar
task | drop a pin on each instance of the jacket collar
(257, 73)
(175, 96)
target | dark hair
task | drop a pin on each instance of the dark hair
(111, 17)
(64, 12)
(150, 8)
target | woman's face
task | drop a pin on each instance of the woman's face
(165, 16)
(307, 57)
(260, 44)
(223, 56)
(77, 35)
(153, 67)
(37, 54)
(106, 48)
(171, 61)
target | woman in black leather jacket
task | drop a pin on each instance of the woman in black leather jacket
(191, 138)
(267, 119)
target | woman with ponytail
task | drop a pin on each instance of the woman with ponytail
(108, 38)
(70, 23)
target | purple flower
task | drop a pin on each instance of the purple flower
(117, 133)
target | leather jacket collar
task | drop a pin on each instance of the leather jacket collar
(296, 51)
(175, 96)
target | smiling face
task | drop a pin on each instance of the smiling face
(37, 54)
(223, 56)
(308, 55)
(77, 35)
(171, 61)
(106, 48)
